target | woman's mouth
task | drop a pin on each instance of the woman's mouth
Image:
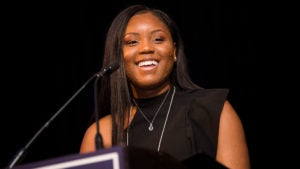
(147, 64)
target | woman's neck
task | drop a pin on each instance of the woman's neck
(149, 92)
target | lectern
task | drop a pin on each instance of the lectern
(119, 157)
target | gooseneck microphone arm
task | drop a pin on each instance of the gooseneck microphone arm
(20, 154)
(98, 137)
(23, 150)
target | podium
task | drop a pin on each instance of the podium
(124, 158)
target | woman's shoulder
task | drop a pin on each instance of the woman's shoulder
(203, 102)
(204, 93)
(207, 102)
(104, 121)
(88, 143)
(106, 118)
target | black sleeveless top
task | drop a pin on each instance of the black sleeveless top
(190, 127)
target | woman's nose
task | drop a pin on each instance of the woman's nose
(146, 46)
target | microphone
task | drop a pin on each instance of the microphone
(105, 71)
(108, 70)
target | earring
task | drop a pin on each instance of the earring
(175, 58)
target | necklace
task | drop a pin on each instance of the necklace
(165, 123)
(150, 128)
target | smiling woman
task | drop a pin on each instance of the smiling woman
(149, 54)
(154, 104)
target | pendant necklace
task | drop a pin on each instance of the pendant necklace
(165, 123)
(150, 128)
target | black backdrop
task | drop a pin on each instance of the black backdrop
(51, 48)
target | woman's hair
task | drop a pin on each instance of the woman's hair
(114, 92)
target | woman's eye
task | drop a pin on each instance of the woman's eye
(131, 43)
(158, 39)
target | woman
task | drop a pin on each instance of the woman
(153, 102)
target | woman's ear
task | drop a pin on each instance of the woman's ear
(175, 58)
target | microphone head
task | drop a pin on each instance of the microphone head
(113, 67)
(109, 69)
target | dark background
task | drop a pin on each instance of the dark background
(51, 48)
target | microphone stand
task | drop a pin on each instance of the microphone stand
(23, 150)
(103, 72)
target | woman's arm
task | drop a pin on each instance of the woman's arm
(232, 147)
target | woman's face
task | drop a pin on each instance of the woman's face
(149, 52)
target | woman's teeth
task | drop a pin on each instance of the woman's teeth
(148, 63)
